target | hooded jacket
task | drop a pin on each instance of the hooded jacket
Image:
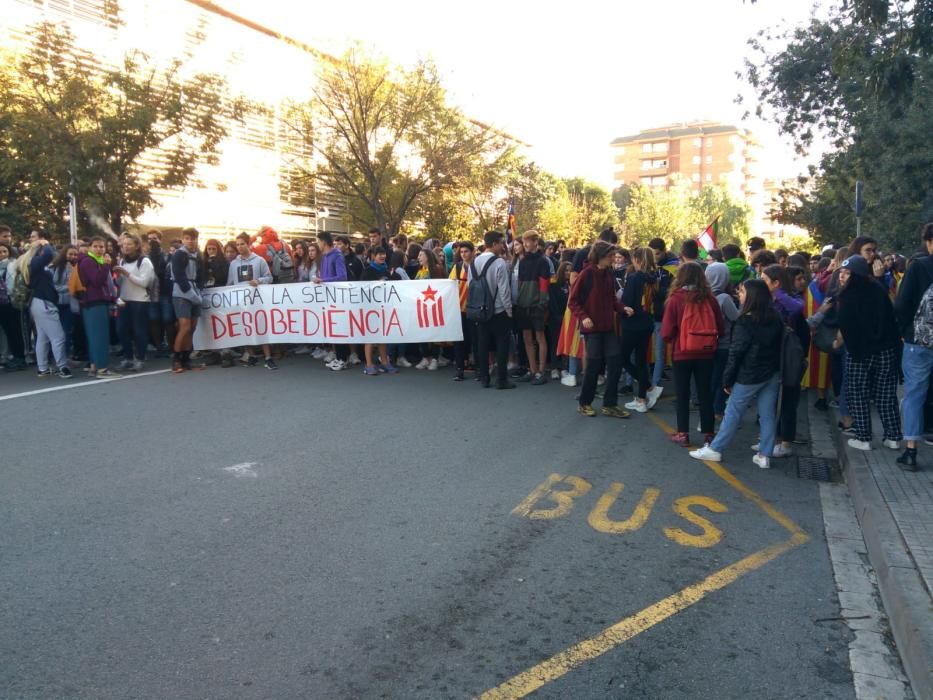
(866, 318)
(40, 279)
(96, 280)
(593, 296)
(739, 271)
(267, 241)
(243, 271)
(720, 277)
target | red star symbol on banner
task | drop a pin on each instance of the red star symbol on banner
(429, 293)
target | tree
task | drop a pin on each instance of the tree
(387, 137)
(863, 78)
(111, 135)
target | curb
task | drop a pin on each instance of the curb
(906, 600)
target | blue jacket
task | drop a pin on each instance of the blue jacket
(333, 267)
(40, 279)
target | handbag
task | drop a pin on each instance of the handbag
(824, 338)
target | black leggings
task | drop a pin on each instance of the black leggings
(11, 323)
(702, 372)
(637, 342)
(787, 421)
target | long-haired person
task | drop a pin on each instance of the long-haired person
(98, 295)
(216, 264)
(637, 322)
(752, 373)
(694, 324)
(62, 268)
(869, 329)
(10, 317)
(33, 266)
(428, 269)
(789, 304)
(593, 300)
(135, 277)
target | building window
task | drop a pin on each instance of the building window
(659, 181)
(709, 178)
(696, 160)
(653, 164)
(709, 143)
(697, 143)
(645, 180)
(695, 177)
(709, 159)
(646, 148)
(659, 147)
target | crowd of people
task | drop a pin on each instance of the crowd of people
(734, 328)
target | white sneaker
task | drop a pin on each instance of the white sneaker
(301, 350)
(600, 380)
(564, 373)
(756, 447)
(443, 362)
(329, 357)
(354, 359)
(511, 366)
(781, 451)
(569, 380)
(892, 444)
(653, 394)
(138, 366)
(423, 364)
(402, 362)
(433, 365)
(319, 353)
(859, 444)
(706, 453)
(699, 427)
(762, 461)
(337, 365)
(555, 374)
(636, 406)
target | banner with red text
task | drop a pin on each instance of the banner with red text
(415, 311)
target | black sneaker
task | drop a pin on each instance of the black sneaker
(821, 405)
(270, 363)
(627, 389)
(526, 377)
(506, 385)
(43, 373)
(539, 380)
(65, 373)
(458, 377)
(249, 361)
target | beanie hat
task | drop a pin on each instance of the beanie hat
(857, 265)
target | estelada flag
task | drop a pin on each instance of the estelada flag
(708, 239)
(510, 222)
(817, 375)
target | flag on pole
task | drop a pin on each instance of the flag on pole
(708, 239)
(510, 222)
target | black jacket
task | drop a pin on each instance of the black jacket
(914, 285)
(755, 351)
(638, 293)
(216, 270)
(866, 318)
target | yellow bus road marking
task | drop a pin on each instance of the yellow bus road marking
(575, 656)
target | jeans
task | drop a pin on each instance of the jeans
(97, 328)
(702, 372)
(637, 342)
(132, 322)
(658, 355)
(494, 331)
(719, 367)
(739, 402)
(917, 365)
(837, 369)
(601, 347)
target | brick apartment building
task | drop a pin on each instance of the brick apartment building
(703, 153)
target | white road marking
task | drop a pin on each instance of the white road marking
(75, 385)
(244, 470)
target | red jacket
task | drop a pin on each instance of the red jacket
(593, 296)
(670, 326)
(268, 237)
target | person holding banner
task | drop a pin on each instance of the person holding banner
(251, 269)
(186, 297)
(333, 269)
(376, 270)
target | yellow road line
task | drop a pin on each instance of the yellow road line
(575, 656)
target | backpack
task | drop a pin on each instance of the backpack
(698, 330)
(21, 296)
(282, 265)
(76, 287)
(793, 359)
(481, 300)
(923, 320)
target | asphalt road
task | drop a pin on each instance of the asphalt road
(239, 533)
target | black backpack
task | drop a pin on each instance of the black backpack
(481, 301)
(793, 359)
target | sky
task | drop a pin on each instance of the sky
(566, 78)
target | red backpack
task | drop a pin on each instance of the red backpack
(698, 331)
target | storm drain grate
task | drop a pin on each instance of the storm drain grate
(815, 468)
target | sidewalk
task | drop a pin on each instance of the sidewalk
(895, 511)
